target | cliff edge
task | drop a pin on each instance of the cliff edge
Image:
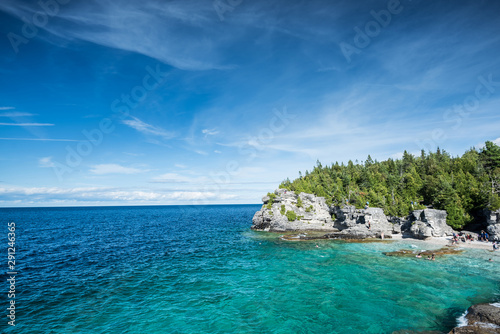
(285, 210)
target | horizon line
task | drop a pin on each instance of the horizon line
(118, 206)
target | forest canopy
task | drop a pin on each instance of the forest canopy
(463, 186)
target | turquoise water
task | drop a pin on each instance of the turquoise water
(202, 270)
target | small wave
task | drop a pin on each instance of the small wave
(462, 320)
(495, 304)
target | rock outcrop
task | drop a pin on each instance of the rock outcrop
(493, 228)
(362, 223)
(287, 211)
(481, 319)
(422, 224)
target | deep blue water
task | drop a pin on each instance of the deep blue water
(175, 269)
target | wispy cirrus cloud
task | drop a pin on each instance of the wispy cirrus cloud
(148, 129)
(46, 162)
(178, 178)
(15, 114)
(179, 33)
(114, 169)
(26, 124)
(209, 132)
(40, 139)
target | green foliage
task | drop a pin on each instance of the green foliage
(272, 197)
(490, 155)
(282, 210)
(309, 208)
(291, 216)
(494, 202)
(490, 159)
(299, 202)
(462, 186)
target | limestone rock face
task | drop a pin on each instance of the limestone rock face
(482, 319)
(493, 228)
(286, 211)
(427, 223)
(397, 224)
(312, 215)
(362, 223)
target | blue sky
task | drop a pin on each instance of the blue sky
(201, 102)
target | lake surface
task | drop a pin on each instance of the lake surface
(200, 269)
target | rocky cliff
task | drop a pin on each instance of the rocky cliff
(284, 210)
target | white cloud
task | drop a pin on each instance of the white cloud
(20, 196)
(497, 141)
(148, 129)
(6, 108)
(15, 114)
(134, 154)
(209, 132)
(177, 178)
(217, 152)
(39, 139)
(46, 162)
(27, 124)
(180, 166)
(179, 33)
(114, 169)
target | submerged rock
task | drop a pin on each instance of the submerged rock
(423, 253)
(481, 319)
(334, 235)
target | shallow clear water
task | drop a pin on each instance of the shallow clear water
(201, 269)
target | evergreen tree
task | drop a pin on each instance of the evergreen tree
(463, 186)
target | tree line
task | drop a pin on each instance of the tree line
(463, 186)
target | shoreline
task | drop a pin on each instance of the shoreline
(313, 235)
(447, 242)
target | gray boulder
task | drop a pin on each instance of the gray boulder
(397, 224)
(427, 223)
(493, 228)
(362, 223)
